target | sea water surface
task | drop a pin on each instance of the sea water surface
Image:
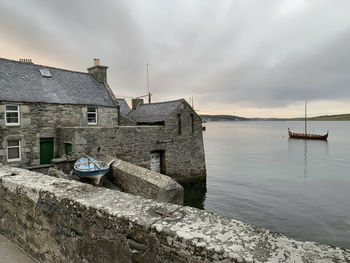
(300, 188)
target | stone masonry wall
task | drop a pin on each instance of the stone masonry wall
(189, 142)
(137, 180)
(184, 156)
(56, 220)
(40, 120)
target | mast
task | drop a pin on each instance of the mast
(305, 117)
(149, 93)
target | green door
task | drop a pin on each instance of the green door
(68, 148)
(46, 150)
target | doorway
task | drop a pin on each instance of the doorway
(46, 150)
(157, 163)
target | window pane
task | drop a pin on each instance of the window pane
(11, 114)
(91, 109)
(12, 120)
(13, 143)
(92, 120)
(91, 117)
(11, 117)
(12, 107)
(13, 153)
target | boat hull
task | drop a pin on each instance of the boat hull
(304, 136)
(94, 176)
(93, 169)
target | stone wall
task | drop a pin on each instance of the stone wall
(56, 220)
(136, 180)
(183, 155)
(40, 120)
(188, 143)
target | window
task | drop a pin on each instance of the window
(192, 123)
(13, 150)
(92, 115)
(179, 124)
(12, 115)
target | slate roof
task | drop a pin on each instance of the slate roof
(154, 112)
(124, 107)
(22, 82)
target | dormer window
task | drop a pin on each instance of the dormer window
(92, 115)
(12, 116)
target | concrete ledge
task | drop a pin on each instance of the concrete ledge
(143, 182)
(57, 220)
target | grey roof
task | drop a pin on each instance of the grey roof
(124, 107)
(154, 112)
(23, 82)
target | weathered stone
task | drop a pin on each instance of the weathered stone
(57, 220)
(143, 182)
(60, 174)
(183, 154)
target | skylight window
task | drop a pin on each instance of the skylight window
(45, 72)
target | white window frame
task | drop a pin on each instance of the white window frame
(13, 111)
(11, 147)
(87, 115)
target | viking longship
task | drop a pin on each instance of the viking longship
(305, 135)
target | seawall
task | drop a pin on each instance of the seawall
(57, 220)
(183, 156)
(140, 181)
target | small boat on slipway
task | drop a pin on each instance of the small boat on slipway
(307, 136)
(88, 167)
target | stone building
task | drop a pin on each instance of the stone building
(47, 112)
(35, 100)
(182, 128)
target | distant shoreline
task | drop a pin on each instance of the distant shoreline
(223, 118)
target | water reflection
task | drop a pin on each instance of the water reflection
(305, 158)
(195, 195)
(297, 147)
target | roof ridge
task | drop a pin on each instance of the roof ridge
(31, 63)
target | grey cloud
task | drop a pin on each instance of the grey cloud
(259, 53)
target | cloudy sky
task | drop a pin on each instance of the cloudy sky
(250, 58)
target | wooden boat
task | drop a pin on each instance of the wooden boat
(305, 135)
(88, 167)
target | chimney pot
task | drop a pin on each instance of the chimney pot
(96, 61)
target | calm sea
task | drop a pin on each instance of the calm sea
(258, 175)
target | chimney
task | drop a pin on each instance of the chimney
(25, 60)
(136, 102)
(99, 72)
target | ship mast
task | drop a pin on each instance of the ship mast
(305, 117)
(149, 93)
